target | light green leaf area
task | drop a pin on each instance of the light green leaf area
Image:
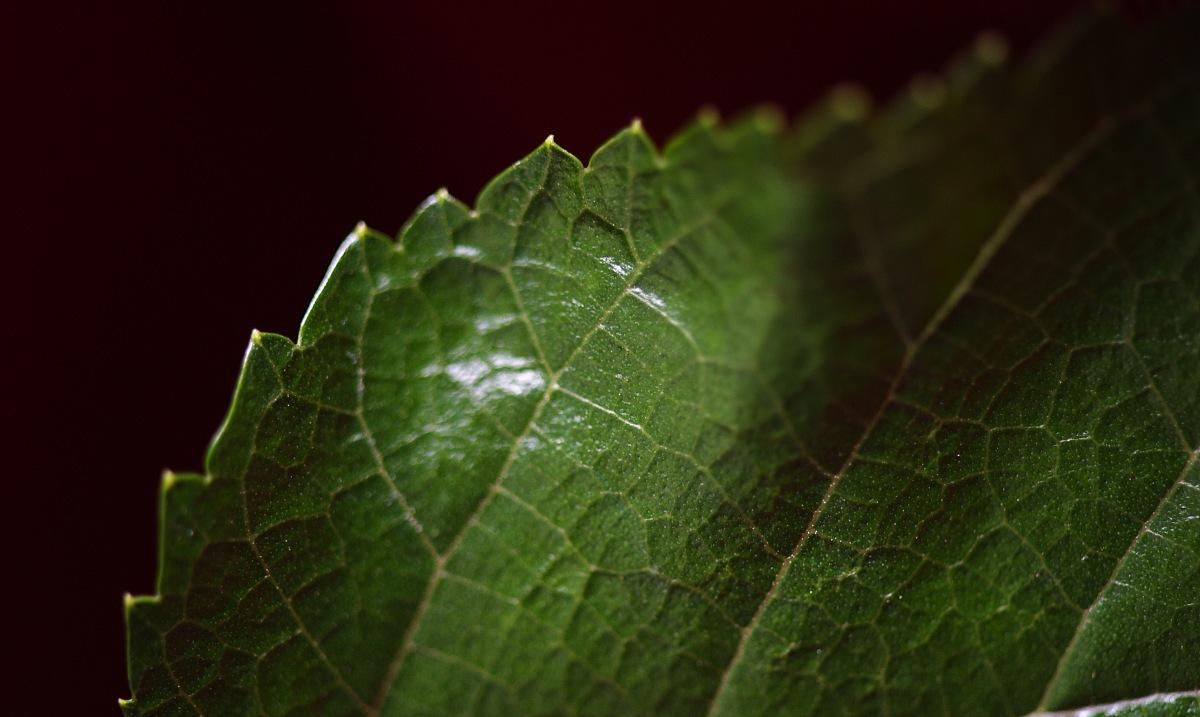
(883, 414)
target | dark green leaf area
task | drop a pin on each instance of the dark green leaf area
(535, 416)
(896, 414)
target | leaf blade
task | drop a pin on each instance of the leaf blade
(655, 379)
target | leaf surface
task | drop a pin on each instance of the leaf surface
(895, 414)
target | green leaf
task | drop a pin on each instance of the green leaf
(882, 414)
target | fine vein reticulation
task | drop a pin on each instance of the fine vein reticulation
(892, 414)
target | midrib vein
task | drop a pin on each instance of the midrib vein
(1026, 200)
(552, 378)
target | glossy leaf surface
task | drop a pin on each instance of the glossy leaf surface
(877, 415)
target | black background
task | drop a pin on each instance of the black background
(194, 167)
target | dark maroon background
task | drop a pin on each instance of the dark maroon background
(193, 169)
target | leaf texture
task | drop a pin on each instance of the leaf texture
(895, 414)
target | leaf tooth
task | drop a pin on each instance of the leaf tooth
(985, 57)
(927, 91)
(991, 48)
(768, 118)
(850, 102)
(177, 505)
(525, 174)
(708, 115)
(700, 132)
(631, 149)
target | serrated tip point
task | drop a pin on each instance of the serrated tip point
(991, 48)
(928, 91)
(636, 126)
(549, 141)
(256, 337)
(127, 600)
(850, 102)
(360, 230)
(168, 478)
(770, 118)
(442, 194)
